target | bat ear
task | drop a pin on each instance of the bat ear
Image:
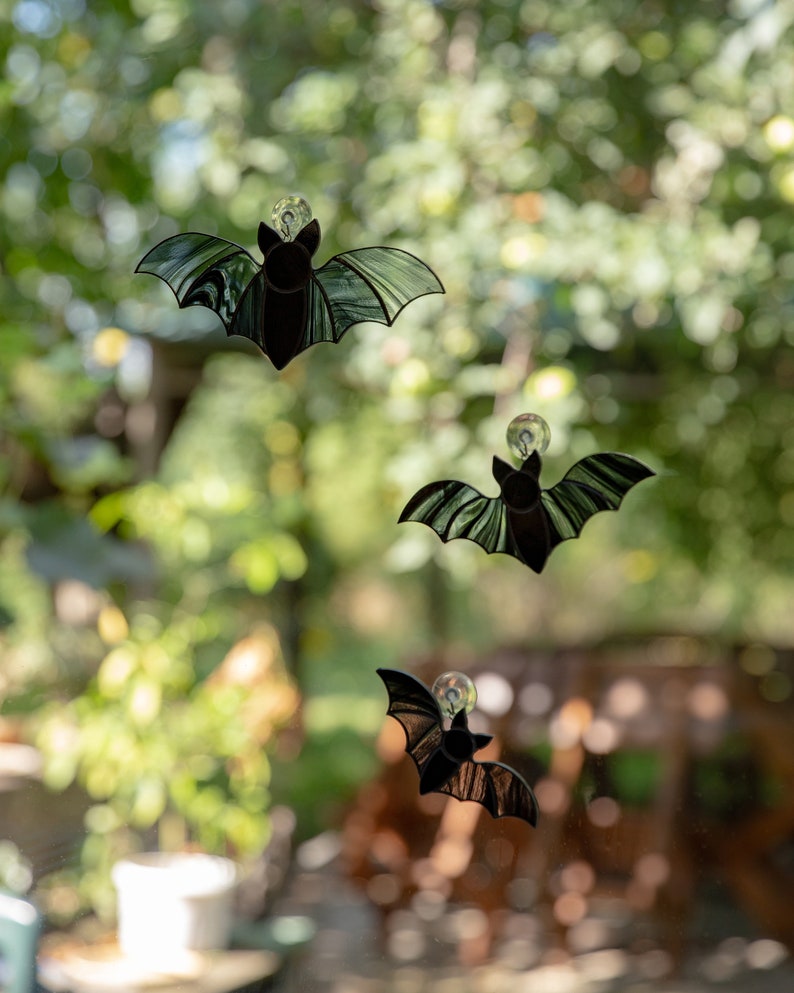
(267, 238)
(500, 469)
(309, 237)
(460, 720)
(532, 465)
(481, 740)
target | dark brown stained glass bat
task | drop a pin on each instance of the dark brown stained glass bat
(283, 304)
(445, 759)
(525, 520)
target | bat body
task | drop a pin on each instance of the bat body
(525, 520)
(444, 758)
(283, 304)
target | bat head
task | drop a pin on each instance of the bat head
(287, 264)
(288, 267)
(520, 491)
(458, 743)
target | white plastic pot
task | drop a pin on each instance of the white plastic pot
(170, 903)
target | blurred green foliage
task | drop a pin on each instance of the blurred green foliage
(605, 189)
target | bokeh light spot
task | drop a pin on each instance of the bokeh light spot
(602, 737)
(779, 133)
(708, 702)
(112, 625)
(652, 869)
(757, 659)
(536, 699)
(569, 908)
(384, 889)
(578, 876)
(110, 346)
(573, 719)
(627, 698)
(603, 812)
(494, 694)
(765, 953)
(551, 383)
(552, 797)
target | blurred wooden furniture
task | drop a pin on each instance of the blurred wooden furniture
(756, 854)
(665, 766)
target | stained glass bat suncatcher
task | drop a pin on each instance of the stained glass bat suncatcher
(525, 520)
(283, 304)
(444, 757)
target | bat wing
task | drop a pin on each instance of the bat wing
(457, 510)
(497, 787)
(205, 271)
(367, 284)
(597, 482)
(414, 706)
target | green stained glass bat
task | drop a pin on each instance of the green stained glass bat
(525, 520)
(283, 304)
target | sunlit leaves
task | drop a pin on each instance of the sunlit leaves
(150, 737)
(652, 138)
(316, 102)
(264, 561)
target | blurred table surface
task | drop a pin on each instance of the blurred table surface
(103, 967)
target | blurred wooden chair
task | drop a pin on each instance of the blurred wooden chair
(19, 936)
